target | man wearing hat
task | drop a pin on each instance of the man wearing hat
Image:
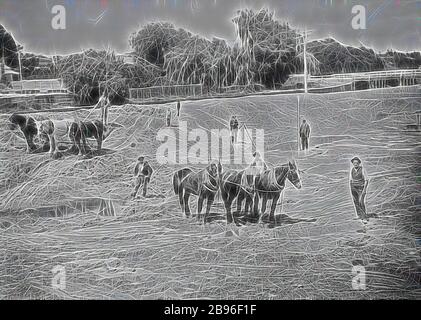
(104, 104)
(305, 134)
(359, 184)
(234, 128)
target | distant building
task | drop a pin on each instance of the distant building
(129, 57)
(44, 61)
(7, 74)
(295, 81)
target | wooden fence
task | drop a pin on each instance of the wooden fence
(190, 91)
(161, 92)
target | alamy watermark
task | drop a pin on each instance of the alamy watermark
(359, 279)
(58, 280)
(58, 22)
(200, 146)
(359, 21)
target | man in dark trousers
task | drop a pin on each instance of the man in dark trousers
(234, 128)
(104, 104)
(143, 172)
(358, 184)
(304, 134)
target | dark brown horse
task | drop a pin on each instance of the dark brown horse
(232, 189)
(204, 184)
(80, 131)
(270, 185)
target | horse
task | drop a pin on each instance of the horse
(231, 189)
(80, 131)
(55, 130)
(29, 127)
(204, 184)
(270, 184)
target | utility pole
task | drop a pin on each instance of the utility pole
(305, 62)
(305, 86)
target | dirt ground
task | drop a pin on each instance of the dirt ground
(146, 249)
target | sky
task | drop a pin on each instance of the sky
(103, 24)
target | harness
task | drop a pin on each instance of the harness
(275, 183)
(203, 184)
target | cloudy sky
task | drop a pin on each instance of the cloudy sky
(108, 23)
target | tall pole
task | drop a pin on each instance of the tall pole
(305, 86)
(298, 121)
(305, 62)
(20, 65)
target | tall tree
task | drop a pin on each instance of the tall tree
(270, 47)
(8, 48)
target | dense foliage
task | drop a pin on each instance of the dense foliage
(266, 52)
(8, 48)
(335, 57)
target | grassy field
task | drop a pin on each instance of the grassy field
(148, 250)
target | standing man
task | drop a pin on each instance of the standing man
(358, 184)
(304, 134)
(104, 103)
(143, 173)
(234, 129)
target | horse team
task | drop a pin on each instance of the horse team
(205, 184)
(50, 131)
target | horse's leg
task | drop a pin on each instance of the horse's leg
(52, 144)
(80, 148)
(211, 198)
(99, 141)
(84, 144)
(248, 205)
(181, 198)
(71, 137)
(28, 141)
(186, 203)
(200, 200)
(228, 204)
(264, 203)
(225, 195)
(273, 207)
(240, 199)
(75, 136)
(255, 212)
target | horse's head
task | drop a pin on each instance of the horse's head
(212, 176)
(214, 169)
(294, 175)
(220, 169)
(16, 121)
